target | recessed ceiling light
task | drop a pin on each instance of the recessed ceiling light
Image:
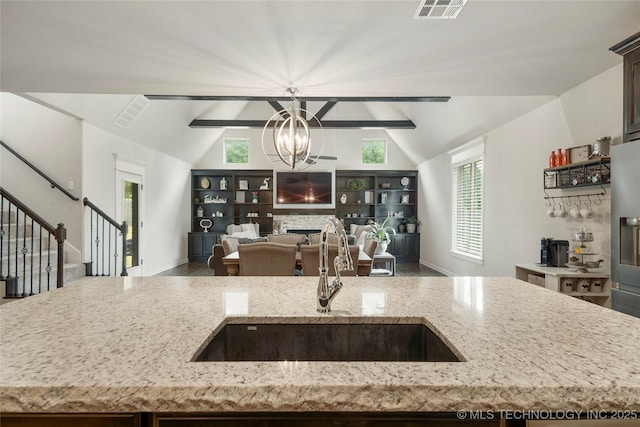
(439, 9)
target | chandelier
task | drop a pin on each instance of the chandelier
(290, 142)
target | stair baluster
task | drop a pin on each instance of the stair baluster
(21, 266)
(100, 234)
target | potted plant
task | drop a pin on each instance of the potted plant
(380, 232)
(412, 224)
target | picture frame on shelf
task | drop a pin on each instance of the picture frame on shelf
(579, 154)
(243, 184)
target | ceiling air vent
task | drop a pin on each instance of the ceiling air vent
(131, 112)
(439, 9)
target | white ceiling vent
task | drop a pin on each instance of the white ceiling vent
(439, 9)
(131, 112)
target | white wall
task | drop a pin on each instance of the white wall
(166, 194)
(343, 144)
(67, 149)
(515, 156)
(52, 141)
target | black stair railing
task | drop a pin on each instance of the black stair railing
(38, 171)
(26, 249)
(107, 235)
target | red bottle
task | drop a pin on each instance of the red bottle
(553, 160)
(565, 157)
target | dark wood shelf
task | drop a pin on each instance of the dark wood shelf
(405, 246)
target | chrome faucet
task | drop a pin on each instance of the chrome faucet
(326, 293)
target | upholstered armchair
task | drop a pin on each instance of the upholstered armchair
(215, 261)
(314, 238)
(267, 259)
(311, 260)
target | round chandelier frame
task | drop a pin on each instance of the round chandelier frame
(290, 141)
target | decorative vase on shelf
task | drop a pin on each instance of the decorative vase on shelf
(411, 228)
(223, 183)
(199, 212)
(255, 197)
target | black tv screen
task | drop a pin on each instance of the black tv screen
(300, 189)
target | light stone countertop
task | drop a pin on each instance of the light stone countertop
(126, 344)
(565, 271)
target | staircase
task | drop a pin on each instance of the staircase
(28, 258)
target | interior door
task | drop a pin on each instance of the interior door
(130, 209)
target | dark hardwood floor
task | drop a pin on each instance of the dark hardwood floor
(202, 269)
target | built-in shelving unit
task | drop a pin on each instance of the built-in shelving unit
(226, 197)
(377, 195)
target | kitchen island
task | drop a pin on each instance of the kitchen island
(118, 345)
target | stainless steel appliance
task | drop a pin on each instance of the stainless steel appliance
(625, 227)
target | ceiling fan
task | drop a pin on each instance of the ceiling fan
(311, 160)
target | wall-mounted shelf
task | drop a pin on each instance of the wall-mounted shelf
(582, 174)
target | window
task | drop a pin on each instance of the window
(468, 172)
(236, 151)
(374, 151)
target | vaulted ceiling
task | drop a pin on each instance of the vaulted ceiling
(497, 60)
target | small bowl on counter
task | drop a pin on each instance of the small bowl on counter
(593, 264)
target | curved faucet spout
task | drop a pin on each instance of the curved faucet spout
(326, 293)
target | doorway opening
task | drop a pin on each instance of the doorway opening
(130, 208)
(131, 215)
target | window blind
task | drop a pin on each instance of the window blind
(467, 208)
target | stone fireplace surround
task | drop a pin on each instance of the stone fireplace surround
(304, 224)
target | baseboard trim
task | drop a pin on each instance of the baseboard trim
(437, 268)
(165, 268)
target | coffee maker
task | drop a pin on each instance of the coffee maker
(553, 253)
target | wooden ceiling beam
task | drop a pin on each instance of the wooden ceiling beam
(302, 98)
(326, 124)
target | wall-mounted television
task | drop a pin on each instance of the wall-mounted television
(307, 190)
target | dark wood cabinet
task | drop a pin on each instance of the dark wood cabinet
(405, 247)
(300, 419)
(201, 245)
(66, 420)
(630, 49)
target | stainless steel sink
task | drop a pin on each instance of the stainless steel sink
(268, 341)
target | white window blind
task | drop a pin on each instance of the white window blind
(468, 171)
